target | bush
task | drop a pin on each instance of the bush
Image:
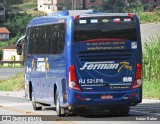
(17, 24)
(149, 17)
(151, 59)
(7, 43)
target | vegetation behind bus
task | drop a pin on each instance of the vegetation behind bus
(13, 83)
(151, 59)
(151, 66)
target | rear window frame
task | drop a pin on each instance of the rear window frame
(109, 20)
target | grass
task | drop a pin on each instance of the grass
(13, 83)
(28, 7)
(151, 59)
(149, 17)
(151, 68)
(24, 6)
(151, 89)
(9, 42)
(11, 66)
(35, 13)
(146, 17)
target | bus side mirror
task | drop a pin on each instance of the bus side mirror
(19, 49)
(19, 43)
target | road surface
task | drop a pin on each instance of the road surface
(8, 72)
(149, 30)
(13, 103)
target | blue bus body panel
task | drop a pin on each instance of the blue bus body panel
(97, 82)
(43, 80)
(90, 79)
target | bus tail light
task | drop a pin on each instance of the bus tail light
(131, 15)
(76, 17)
(72, 79)
(138, 81)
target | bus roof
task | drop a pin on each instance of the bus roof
(42, 21)
(55, 17)
(103, 14)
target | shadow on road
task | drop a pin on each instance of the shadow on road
(139, 111)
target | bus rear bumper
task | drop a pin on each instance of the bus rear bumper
(89, 99)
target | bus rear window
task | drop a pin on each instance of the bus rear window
(102, 28)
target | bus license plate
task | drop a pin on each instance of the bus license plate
(107, 97)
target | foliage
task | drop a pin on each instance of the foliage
(151, 89)
(146, 17)
(24, 6)
(151, 59)
(35, 13)
(114, 5)
(14, 1)
(149, 17)
(17, 24)
(7, 43)
(9, 3)
(66, 5)
(128, 6)
(13, 83)
(151, 68)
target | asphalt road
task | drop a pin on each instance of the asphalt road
(8, 72)
(149, 30)
(10, 105)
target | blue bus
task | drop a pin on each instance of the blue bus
(86, 61)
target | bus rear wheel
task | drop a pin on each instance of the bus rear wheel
(35, 105)
(59, 110)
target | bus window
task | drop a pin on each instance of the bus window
(48, 39)
(62, 36)
(104, 30)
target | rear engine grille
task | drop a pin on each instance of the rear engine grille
(107, 55)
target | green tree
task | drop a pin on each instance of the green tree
(66, 5)
(14, 2)
(115, 5)
(17, 25)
